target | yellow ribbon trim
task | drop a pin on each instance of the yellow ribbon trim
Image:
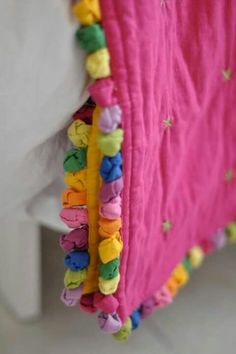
(94, 181)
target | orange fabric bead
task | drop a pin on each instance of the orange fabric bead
(71, 198)
(172, 286)
(107, 228)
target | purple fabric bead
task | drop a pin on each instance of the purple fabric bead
(71, 297)
(219, 239)
(109, 322)
(111, 190)
(110, 118)
(77, 238)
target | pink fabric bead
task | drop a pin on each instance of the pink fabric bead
(110, 118)
(111, 190)
(74, 217)
(109, 322)
(86, 303)
(77, 238)
(71, 297)
(162, 297)
(207, 246)
(112, 209)
(108, 303)
(148, 307)
(103, 92)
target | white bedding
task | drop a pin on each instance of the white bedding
(42, 81)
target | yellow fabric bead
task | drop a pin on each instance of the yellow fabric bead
(110, 248)
(196, 256)
(125, 330)
(73, 279)
(180, 275)
(77, 180)
(108, 286)
(87, 12)
(98, 64)
(231, 232)
(78, 133)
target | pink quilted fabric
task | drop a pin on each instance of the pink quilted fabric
(173, 63)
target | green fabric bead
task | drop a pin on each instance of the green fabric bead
(187, 265)
(91, 38)
(125, 330)
(75, 160)
(110, 270)
(110, 144)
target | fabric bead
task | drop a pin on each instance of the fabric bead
(180, 275)
(73, 279)
(77, 260)
(74, 217)
(206, 246)
(110, 144)
(75, 160)
(108, 286)
(110, 168)
(111, 210)
(77, 180)
(91, 38)
(172, 286)
(196, 256)
(71, 198)
(110, 119)
(148, 307)
(110, 249)
(71, 297)
(162, 297)
(125, 330)
(187, 265)
(109, 322)
(108, 228)
(77, 238)
(111, 190)
(85, 113)
(78, 133)
(109, 270)
(98, 64)
(231, 232)
(103, 92)
(106, 303)
(87, 11)
(135, 319)
(86, 303)
(219, 239)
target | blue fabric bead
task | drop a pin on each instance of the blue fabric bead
(135, 319)
(110, 168)
(77, 260)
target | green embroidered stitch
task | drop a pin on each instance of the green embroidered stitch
(227, 73)
(229, 175)
(167, 122)
(166, 225)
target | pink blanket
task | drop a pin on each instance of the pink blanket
(173, 63)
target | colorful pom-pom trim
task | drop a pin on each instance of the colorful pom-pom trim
(74, 214)
(91, 38)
